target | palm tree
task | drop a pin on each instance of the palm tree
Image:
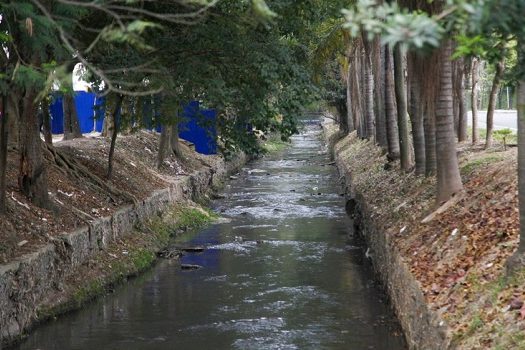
(448, 177)
(416, 116)
(401, 101)
(390, 108)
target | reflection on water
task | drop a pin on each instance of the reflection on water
(284, 273)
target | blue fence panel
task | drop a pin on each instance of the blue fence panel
(85, 103)
(99, 113)
(57, 115)
(199, 127)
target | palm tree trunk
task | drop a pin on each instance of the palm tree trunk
(363, 114)
(3, 152)
(369, 91)
(358, 107)
(517, 260)
(402, 113)
(416, 120)
(462, 108)
(392, 135)
(430, 142)
(500, 66)
(379, 93)
(448, 177)
(474, 100)
(349, 114)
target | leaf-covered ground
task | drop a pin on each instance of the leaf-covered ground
(458, 254)
(77, 197)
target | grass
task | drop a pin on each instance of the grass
(274, 144)
(88, 292)
(193, 218)
(483, 161)
(512, 137)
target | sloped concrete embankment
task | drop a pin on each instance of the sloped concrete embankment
(423, 328)
(28, 283)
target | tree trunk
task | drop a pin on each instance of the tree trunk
(358, 110)
(116, 126)
(392, 134)
(369, 91)
(175, 144)
(164, 144)
(349, 114)
(402, 113)
(448, 177)
(32, 177)
(46, 125)
(430, 142)
(71, 125)
(455, 99)
(416, 120)
(500, 66)
(108, 123)
(462, 108)
(379, 93)
(3, 153)
(474, 100)
(517, 260)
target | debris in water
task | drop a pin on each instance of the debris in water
(190, 267)
(170, 253)
(196, 249)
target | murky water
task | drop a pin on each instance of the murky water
(285, 273)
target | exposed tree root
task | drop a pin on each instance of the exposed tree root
(71, 166)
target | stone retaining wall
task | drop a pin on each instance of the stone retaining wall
(422, 326)
(29, 280)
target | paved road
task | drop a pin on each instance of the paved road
(502, 119)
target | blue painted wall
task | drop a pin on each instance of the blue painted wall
(84, 102)
(99, 113)
(57, 115)
(199, 126)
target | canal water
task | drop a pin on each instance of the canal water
(286, 272)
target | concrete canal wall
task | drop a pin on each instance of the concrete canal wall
(33, 281)
(423, 327)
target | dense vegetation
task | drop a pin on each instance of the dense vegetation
(396, 73)
(406, 66)
(248, 60)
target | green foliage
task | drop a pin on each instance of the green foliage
(414, 29)
(142, 259)
(88, 292)
(503, 132)
(192, 218)
(274, 144)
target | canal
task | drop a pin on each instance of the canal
(285, 272)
